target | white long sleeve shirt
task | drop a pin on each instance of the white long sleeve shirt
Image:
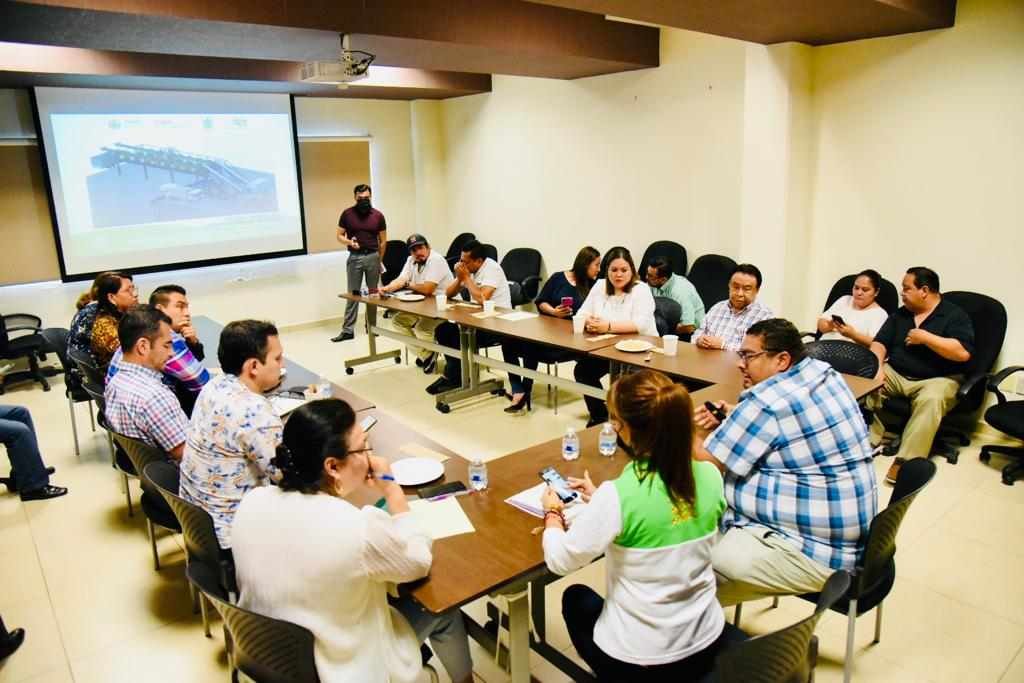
(636, 306)
(320, 562)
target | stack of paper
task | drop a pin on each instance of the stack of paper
(441, 518)
(517, 315)
(283, 405)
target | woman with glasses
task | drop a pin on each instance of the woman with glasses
(305, 552)
(656, 525)
(115, 294)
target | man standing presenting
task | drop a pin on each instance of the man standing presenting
(796, 462)
(923, 349)
(363, 230)
(425, 272)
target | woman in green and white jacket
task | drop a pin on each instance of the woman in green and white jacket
(656, 524)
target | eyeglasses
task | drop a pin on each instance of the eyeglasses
(745, 356)
(367, 449)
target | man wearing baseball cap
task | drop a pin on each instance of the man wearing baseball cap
(424, 273)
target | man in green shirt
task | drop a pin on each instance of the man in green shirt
(663, 282)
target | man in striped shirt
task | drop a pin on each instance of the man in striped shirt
(138, 404)
(725, 324)
(796, 462)
(184, 371)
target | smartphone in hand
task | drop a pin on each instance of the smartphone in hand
(559, 484)
(838, 319)
(715, 410)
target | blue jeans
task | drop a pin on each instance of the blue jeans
(19, 435)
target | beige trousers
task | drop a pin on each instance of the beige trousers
(416, 326)
(752, 562)
(930, 400)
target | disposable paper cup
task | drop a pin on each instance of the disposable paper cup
(578, 323)
(442, 302)
(488, 307)
(670, 343)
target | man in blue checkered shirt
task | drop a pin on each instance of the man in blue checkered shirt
(796, 461)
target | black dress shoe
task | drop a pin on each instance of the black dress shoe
(343, 336)
(12, 485)
(517, 407)
(439, 386)
(10, 642)
(44, 493)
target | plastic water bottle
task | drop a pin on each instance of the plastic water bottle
(606, 442)
(570, 445)
(477, 475)
(364, 291)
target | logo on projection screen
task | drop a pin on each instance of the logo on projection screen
(138, 184)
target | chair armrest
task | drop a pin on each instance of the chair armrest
(969, 383)
(995, 379)
(813, 335)
(530, 286)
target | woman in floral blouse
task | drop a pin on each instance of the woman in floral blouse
(115, 294)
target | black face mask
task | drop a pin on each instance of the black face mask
(363, 205)
(626, 448)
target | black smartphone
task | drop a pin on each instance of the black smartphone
(441, 489)
(838, 319)
(559, 484)
(715, 410)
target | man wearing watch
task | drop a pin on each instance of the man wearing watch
(363, 230)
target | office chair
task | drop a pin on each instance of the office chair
(673, 252)
(1008, 417)
(29, 346)
(522, 270)
(710, 275)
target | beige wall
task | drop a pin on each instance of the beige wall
(920, 142)
(621, 159)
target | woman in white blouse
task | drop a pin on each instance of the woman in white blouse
(619, 304)
(856, 317)
(305, 554)
(655, 524)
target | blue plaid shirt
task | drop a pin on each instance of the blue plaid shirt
(798, 461)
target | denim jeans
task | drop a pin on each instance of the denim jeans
(19, 435)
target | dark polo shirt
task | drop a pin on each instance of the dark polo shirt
(364, 229)
(918, 361)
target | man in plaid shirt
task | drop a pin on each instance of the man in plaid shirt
(725, 324)
(796, 460)
(138, 404)
(184, 371)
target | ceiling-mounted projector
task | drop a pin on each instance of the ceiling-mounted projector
(351, 66)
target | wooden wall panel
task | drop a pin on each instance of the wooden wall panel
(330, 169)
(29, 253)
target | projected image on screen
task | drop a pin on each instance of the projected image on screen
(141, 180)
(145, 184)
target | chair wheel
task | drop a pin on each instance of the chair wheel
(1008, 480)
(398, 360)
(444, 408)
(985, 457)
(350, 371)
(953, 458)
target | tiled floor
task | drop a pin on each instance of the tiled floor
(77, 572)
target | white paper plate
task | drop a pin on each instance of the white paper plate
(634, 345)
(410, 297)
(416, 471)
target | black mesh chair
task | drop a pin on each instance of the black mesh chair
(522, 270)
(989, 319)
(490, 251)
(154, 507)
(119, 459)
(1007, 417)
(87, 366)
(876, 572)
(201, 547)
(57, 341)
(454, 252)
(673, 252)
(395, 255)
(785, 656)
(710, 276)
(845, 357)
(29, 345)
(667, 314)
(264, 649)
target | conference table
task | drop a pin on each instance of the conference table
(296, 376)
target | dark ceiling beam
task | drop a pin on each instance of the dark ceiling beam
(26, 65)
(814, 22)
(481, 36)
